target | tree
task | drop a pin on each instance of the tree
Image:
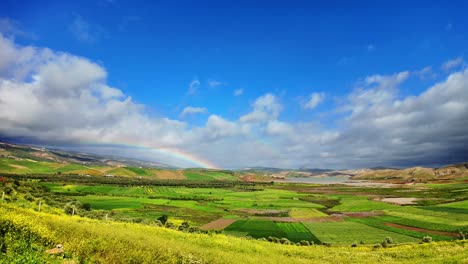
(163, 219)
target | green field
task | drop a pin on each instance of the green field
(346, 233)
(27, 234)
(281, 213)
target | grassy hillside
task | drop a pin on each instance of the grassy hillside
(29, 166)
(25, 234)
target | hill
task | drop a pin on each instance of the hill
(21, 159)
(27, 234)
(24, 152)
(416, 173)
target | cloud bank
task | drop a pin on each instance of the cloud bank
(58, 98)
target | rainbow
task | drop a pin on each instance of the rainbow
(172, 152)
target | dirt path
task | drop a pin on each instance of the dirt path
(422, 230)
(218, 224)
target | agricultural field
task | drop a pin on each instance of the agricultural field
(28, 234)
(347, 233)
(284, 213)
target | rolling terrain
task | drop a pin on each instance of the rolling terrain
(99, 207)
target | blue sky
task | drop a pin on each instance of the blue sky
(312, 63)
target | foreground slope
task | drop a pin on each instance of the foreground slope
(25, 234)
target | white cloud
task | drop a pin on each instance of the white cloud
(214, 83)
(11, 27)
(193, 87)
(58, 98)
(85, 31)
(451, 64)
(425, 73)
(238, 92)
(193, 110)
(265, 108)
(314, 100)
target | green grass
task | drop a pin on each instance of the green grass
(435, 217)
(459, 205)
(297, 232)
(353, 203)
(380, 224)
(92, 241)
(306, 213)
(346, 233)
(419, 223)
(257, 228)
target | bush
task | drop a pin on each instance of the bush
(285, 241)
(169, 225)
(163, 219)
(273, 239)
(194, 229)
(426, 239)
(29, 197)
(184, 226)
(389, 240)
(354, 244)
(304, 243)
(376, 246)
(86, 206)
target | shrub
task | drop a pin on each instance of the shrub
(86, 206)
(163, 219)
(29, 197)
(376, 246)
(426, 239)
(194, 229)
(389, 240)
(273, 239)
(285, 241)
(354, 244)
(184, 226)
(304, 243)
(462, 233)
(169, 225)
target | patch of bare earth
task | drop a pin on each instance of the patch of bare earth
(18, 167)
(400, 200)
(218, 224)
(170, 175)
(422, 230)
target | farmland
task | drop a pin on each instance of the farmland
(209, 202)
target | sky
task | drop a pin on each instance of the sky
(234, 84)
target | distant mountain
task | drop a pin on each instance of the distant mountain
(263, 169)
(314, 170)
(416, 173)
(16, 151)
